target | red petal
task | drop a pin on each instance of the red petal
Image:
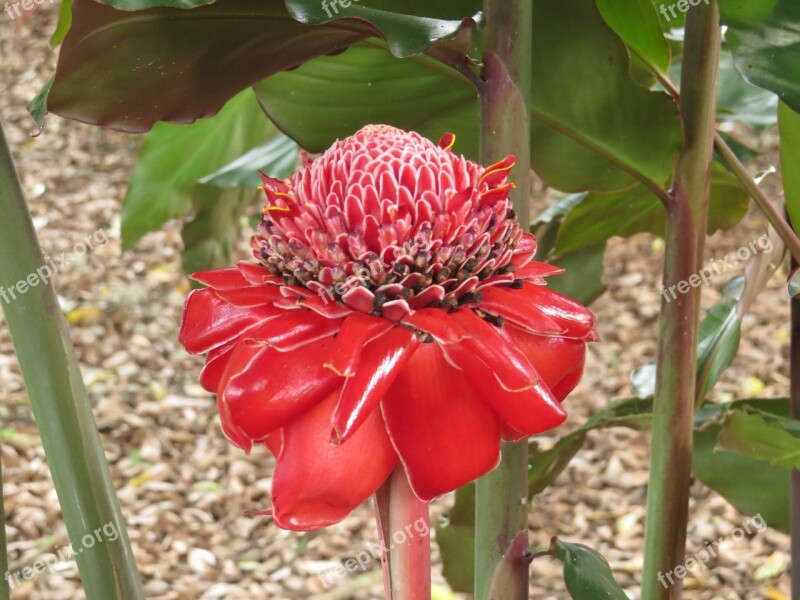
(537, 271)
(245, 297)
(221, 279)
(558, 361)
(209, 322)
(294, 329)
(523, 253)
(445, 434)
(381, 361)
(508, 364)
(498, 172)
(357, 331)
(577, 320)
(256, 274)
(360, 299)
(267, 389)
(316, 484)
(216, 361)
(438, 323)
(513, 305)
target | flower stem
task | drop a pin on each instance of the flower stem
(673, 409)
(58, 398)
(404, 530)
(501, 509)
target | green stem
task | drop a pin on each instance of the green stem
(404, 530)
(60, 405)
(501, 509)
(5, 591)
(687, 214)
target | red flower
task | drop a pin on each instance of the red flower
(395, 314)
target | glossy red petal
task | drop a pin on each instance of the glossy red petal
(577, 320)
(294, 329)
(381, 361)
(221, 279)
(537, 271)
(445, 434)
(357, 331)
(508, 364)
(216, 362)
(255, 295)
(438, 324)
(256, 274)
(512, 306)
(559, 361)
(209, 322)
(316, 484)
(270, 388)
(525, 250)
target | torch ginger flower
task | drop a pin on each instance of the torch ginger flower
(395, 314)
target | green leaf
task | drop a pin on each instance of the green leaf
(594, 128)
(582, 278)
(128, 70)
(789, 123)
(756, 435)
(602, 216)
(211, 236)
(38, 106)
(174, 157)
(741, 101)
(409, 28)
(586, 573)
(277, 158)
(719, 337)
(456, 538)
(764, 36)
(63, 24)
(331, 97)
(638, 24)
(751, 486)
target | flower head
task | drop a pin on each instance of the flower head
(395, 314)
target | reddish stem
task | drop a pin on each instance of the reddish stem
(404, 530)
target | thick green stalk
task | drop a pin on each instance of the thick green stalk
(404, 529)
(60, 405)
(5, 591)
(501, 496)
(687, 214)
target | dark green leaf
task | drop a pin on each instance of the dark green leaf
(409, 27)
(38, 106)
(128, 70)
(637, 23)
(602, 216)
(742, 151)
(586, 573)
(371, 86)
(752, 486)
(174, 157)
(789, 122)
(277, 158)
(456, 538)
(740, 101)
(765, 38)
(769, 439)
(210, 237)
(594, 127)
(582, 278)
(719, 338)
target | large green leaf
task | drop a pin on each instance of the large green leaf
(740, 101)
(174, 157)
(277, 158)
(586, 573)
(409, 27)
(333, 96)
(767, 438)
(593, 126)
(750, 485)
(790, 151)
(765, 38)
(128, 70)
(601, 216)
(455, 536)
(637, 23)
(582, 278)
